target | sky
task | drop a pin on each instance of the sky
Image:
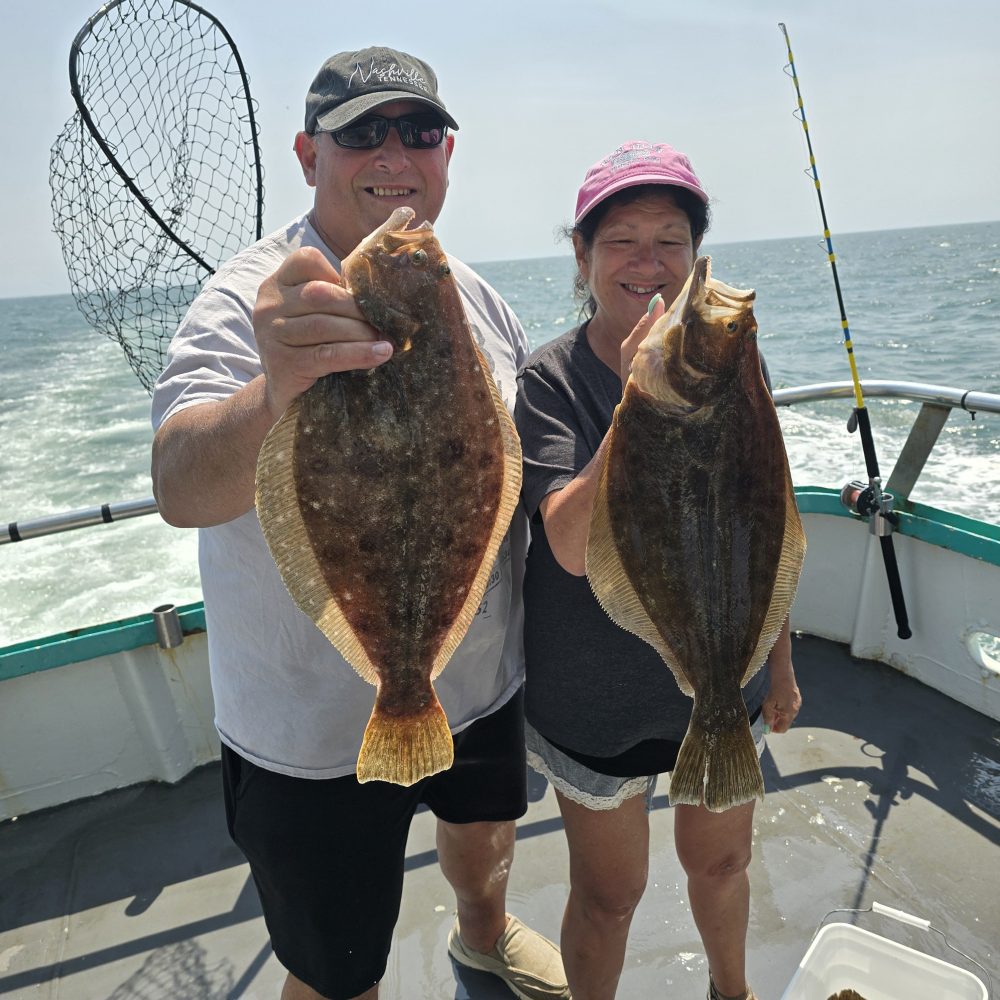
(901, 96)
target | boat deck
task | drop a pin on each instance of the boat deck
(885, 790)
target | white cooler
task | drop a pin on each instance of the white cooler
(843, 957)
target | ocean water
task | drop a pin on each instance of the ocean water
(923, 306)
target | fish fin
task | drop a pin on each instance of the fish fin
(510, 493)
(721, 770)
(402, 749)
(612, 587)
(786, 581)
(285, 532)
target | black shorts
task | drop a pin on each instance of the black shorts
(652, 756)
(327, 854)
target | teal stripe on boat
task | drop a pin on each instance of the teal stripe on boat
(88, 643)
(936, 527)
(960, 534)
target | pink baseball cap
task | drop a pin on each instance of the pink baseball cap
(632, 163)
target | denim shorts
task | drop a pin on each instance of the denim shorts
(590, 788)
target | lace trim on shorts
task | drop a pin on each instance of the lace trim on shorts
(591, 789)
(578, 782)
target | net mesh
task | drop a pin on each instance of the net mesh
(156, 178)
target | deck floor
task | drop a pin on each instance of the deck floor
(884, 790)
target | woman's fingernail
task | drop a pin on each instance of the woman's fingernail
(652, 303)
(767, 729)
(382, 349)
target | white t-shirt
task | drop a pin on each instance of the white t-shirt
(284, 697)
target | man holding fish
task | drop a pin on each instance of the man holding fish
(326, 849)
(666, 510)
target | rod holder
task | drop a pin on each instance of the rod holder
(169, 633)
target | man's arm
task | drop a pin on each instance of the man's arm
(307, 325)
(205, 457)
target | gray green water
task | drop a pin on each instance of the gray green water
(923, 304)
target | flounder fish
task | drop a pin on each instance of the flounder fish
(695, 541)
(384, 496)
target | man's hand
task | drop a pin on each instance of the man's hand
(307, 325)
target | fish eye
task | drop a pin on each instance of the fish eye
(731, 326)
(419, 257)
(443, 269)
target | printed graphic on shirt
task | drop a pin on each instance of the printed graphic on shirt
(496, 575)
(481, 344)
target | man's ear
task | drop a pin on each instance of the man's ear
(449, 145)
(305, 150)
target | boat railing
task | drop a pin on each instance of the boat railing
(937, 402)
(919, 392)
(105, 513)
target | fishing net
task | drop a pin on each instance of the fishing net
(156, 179)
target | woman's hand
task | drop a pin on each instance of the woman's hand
(631, 343)
(784, 699)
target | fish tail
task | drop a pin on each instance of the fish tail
(403, 749)
(719, 769)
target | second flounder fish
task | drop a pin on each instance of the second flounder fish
(695, 540)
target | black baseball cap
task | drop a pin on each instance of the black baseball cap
(351, 84)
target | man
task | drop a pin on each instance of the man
(327, 852)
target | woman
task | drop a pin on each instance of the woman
(605, 715)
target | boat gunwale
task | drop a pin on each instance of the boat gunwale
(958, 533)
(955, 532)
(92, 642)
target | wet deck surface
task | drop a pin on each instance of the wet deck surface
(884, 791)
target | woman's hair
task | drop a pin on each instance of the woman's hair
(688, 202)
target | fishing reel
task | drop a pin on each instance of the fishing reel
(869, 500)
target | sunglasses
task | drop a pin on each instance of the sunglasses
(416, 131)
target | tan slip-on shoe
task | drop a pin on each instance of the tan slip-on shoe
(714, 994)
(528, 963)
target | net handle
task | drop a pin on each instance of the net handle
(74, 55)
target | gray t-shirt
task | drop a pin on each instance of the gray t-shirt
(284, 697)
(591, 687)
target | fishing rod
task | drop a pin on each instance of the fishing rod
(867, 499)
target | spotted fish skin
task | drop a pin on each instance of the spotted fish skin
(385, 495)
(695, 541)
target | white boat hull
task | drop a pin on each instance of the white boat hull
(145, 713)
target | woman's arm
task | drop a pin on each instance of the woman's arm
(566, 512)
(784, 699)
